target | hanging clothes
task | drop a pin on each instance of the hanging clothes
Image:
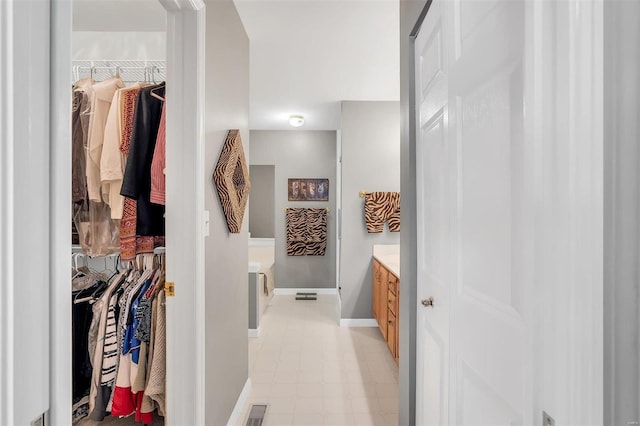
(79, 196)
(137, 176)
(124, 342)
(118, 143)
(97, 233)
(113, 160)
(128, 247)
(158, 164)
(102, 95)
(78, 140)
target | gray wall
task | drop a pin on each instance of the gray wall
(622, 212)
(370, 162)
(410, 11)
(262, 201)
(227, 107)
(299, 154)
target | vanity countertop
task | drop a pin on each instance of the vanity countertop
(389, 256)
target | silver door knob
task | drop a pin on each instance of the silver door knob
(427, 302)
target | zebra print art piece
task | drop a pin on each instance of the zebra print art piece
(231, 177)
(381, 207)
(306, 232)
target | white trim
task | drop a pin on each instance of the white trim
(239, 407)
(185, 216)
(358, 322)
(254, 332)
(60, 187)
(25, 211)
(254, 267)
(185, 260)
(293, 291)
(262, 242)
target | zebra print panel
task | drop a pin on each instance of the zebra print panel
(296, 232)
(306, 232)
(381, 207)
(317, 232)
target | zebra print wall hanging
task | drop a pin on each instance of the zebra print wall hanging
(381, 207)
(306, 232)
(231, 177)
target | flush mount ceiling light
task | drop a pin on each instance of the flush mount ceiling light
(296, 120)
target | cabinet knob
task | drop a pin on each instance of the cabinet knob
(390, 322)
(427, 302)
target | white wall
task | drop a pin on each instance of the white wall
(299, 154)
(130, 45)
(370, 162)
(564, 126)
(622, 213)
(262, 201)
(226, 255)
(118, 15)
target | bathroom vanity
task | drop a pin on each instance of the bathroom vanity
(386, 293)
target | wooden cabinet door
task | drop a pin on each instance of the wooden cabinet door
(391, 332)
(397, 329)
(382, 301)
(375, 288)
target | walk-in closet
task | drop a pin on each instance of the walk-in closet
(118, 139)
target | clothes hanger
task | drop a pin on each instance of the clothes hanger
(154, 94)
(78, 271)
(74, 264)
(148, 261)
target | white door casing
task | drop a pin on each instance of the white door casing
(185, 189)
(184, 217)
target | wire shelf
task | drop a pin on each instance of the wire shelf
(130, 71)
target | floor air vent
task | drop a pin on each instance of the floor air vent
(306, 296)
(256, 415)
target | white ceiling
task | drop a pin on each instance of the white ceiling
(308, 55)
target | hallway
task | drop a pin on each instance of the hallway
(310, 371)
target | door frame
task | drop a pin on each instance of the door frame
(412, 15)
(184, 220)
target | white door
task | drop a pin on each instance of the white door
(469, 100)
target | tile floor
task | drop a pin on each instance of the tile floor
(311, 371)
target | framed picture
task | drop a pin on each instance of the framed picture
(304, 189)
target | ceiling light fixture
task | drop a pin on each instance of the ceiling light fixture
(296, 120)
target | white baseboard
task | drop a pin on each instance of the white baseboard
(358, 322)
(293, 291)
(238, 409)
(254, 332)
